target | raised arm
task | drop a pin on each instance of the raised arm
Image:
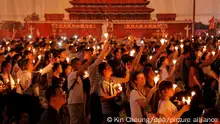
(208, 61)
(154, 58)
(137, 59)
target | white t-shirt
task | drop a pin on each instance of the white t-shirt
(163, 74)
(166, 108)
(135, 107)
(76, 94)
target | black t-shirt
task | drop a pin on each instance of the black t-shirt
(57, 81)
(50, 116)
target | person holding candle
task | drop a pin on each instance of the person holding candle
(108, 92)
(57, 70)
(165, 106)
(139, 98)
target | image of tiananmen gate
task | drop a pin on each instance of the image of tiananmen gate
(96, 17)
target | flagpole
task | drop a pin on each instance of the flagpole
(194, 13)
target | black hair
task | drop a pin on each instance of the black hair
(116, 50)
(23, 64)
(64, 67)
(160, 62)
(3, 65)
(164, 85)
(15, 58)
(134, 75)
(55, 66)
(73, 62)
(26, 52)
(102, 67)
(51, 92)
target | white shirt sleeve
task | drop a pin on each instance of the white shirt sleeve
(47, 69)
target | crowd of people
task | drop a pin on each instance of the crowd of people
(71, 81)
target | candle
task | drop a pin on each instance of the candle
(156, 79)
(106, 35)
(165, 36)
(181, 40)
(207, 34)
(71, 44)
(90, 36)
(200, 38)
(120, 87)
(94, 39)
(174, 86)
(39, 57)
(9, 48)
(174, 61)
(188, 101)
(34, 50)
(41, 70)
(33, 61)
(162, 41)
(94, 47)
(7, 80)
(7, 43)
(181, 46)
(86, 74)
(212, 36)
(150, 57)
(218, 47)
(98, 47)
(156, 71)
(129, 38)
(176, 48)
(193, 94)
(132, 52)
(29, 49)
(50, 42)
(183, 100)
(60, 44)
(213, 53)
(142, 42)
(18, 80)
(68, 59)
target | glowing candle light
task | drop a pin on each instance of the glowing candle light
(174, 61)
(120, 87)
(71, 44)
(29, 36)
(150, 57)
(132, 52)
(33, 61)
(162, 41)
(156, 71)
(181, 46)
(68, 59)
(86, 74)
(94, 39)
(142, 42)
(7, 80)
(213, 53)
(165, 36)
(212, 36)
(188, 101)
(98, 47)
(60, 44)
(156, 79)
(18, 80)
(174, 86)
(39, 57)
(102, 46)
(218, 47)
(7, 43)
(34, 51)
(41, 70)
(50, 42)
(181, 40)
(129, 38)
(90, 36)
(207, 34)
(183, 100)
(176, 48)
(200, 38)
(29, 49)
(9, 48)
(193, 94)
(106, 35)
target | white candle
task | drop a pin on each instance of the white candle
(7, 81)
(193, 94)
(181, 46)
(50, 42)
(174, 86)
(212, 36)
(18, 80)
(162, 41)
(98, 47)
(86, 74)
(106, 35)
(33, 61)
(94, 39)
(41, 70)
(200, 38)
(174, 61)
(150, 57)
(129, 38)
(132, 52)
(68, 59)
(39, 57)
(213, 53)
(120, 87)
(156, 79)
(183, 100)
(9, 48)
(176, 48)
(188, 101)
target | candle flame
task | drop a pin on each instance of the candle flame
(150, 57)
(176, 48)
(120, 87)
(162, 41)
(183, 100)
(174, 61)
(193, 94)
(39, 57)
(106, 35)
(41, 70)
(174, 86)
(86, 74)
(156, 79)
(213, 53)
(68, 59)
(132, 52)
(181, 46)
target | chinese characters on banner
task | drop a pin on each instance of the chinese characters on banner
(73, 25)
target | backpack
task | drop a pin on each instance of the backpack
(65, 87)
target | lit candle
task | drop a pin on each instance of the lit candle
(7, 81)
(183, 100)
(142, 42)
(193, 94)
(176, 48)
(165, 36)
(29, 49)
(156, 71)
(90, 36)
(41, 70)
(218, 47)
(207, 34)
(174, 86)
(212, 36)
(33, 61)
(132, 52)
(18, 80)
(181, 46)
(29, 36)
(7, 43)
(86, 74)
(94, 47)
(94, 39)
(162, 41)
(174, 61)
(181, 40)
(50, 42)
(120, 87)
(68, 59)
(129, 38)
(9, 48)
(39, 57)
(98, 47)
(200, 38)
(188, 101)
(213, 53)
(156, 79)
(60, 43)
(106, 35)
(34, 51)
(71, 44)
